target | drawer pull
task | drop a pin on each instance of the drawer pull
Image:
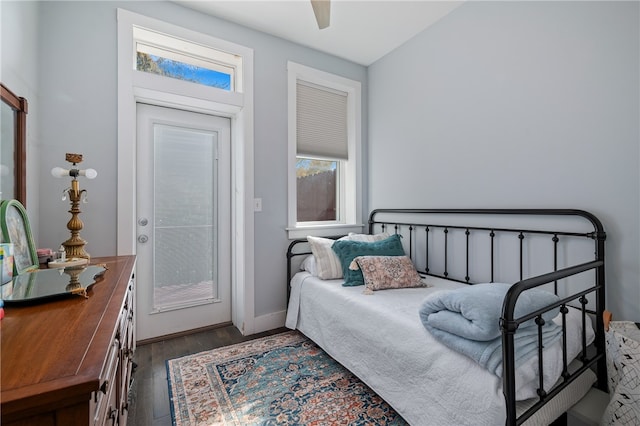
(105, 387)
(113, 414)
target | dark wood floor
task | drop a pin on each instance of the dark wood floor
(149, 405)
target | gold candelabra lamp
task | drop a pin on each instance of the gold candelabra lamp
(74, 246)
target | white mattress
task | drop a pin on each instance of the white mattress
(381, 340)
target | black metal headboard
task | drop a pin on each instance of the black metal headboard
(448, 249)
(425, 229)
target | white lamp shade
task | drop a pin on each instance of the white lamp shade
(59, 172)
(89, 173)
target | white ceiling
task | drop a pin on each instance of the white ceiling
(361, 31)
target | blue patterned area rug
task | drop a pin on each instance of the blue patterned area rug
(284, 379)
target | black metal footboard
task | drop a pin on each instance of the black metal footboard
(561, 250)
(509, 327)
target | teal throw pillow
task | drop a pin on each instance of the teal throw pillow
(347, 250)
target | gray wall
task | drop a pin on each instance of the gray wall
(19, 72)
(527, 104)
(78, 91)
(518, 104)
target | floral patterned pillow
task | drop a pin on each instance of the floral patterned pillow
(387, 272)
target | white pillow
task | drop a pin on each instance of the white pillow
(368, 238)
(309, 265)
(327, 264)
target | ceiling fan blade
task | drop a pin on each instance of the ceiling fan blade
(322, 10)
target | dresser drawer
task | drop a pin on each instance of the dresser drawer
(104, 397)
(127, 349)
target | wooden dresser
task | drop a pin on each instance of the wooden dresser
(69, 361)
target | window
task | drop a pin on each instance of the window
(324, 150)
(317, 190)
(172, 57)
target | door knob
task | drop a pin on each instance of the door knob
(143, 238)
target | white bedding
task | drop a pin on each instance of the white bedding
(380, 339)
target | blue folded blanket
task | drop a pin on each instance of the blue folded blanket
(467, 320)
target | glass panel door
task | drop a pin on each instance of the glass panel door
(185, 206)
(183, 195)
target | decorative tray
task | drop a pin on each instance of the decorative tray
(46, 284)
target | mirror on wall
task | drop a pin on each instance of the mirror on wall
(13, 135)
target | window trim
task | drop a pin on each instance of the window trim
(352, 180)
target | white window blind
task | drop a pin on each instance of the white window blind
(321, 121)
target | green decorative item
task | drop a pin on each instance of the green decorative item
(16, 230)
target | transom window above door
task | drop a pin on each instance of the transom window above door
(160, 54)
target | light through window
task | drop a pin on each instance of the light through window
(317, 187)
(175, 69)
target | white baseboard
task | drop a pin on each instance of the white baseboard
(269, 321)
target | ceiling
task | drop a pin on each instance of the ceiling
(361, 31)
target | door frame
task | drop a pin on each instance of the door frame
(134, 87)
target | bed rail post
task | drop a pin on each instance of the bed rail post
(290, 255)
(509, 328)
(600, 237)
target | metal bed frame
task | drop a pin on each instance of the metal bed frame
(592, 357)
